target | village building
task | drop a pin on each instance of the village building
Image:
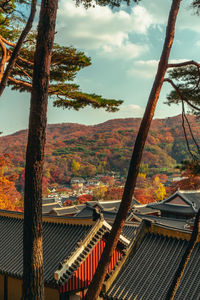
(46, 208)
(180, 205)
(71, 210)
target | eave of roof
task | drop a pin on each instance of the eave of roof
(145, 227)
(60, 237)
(173, 208)
(71, 264)
(170, 222)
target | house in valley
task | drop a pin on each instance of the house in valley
(180, 205)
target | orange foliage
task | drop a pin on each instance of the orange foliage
(144, 196)
(9, 196)
(84, 198)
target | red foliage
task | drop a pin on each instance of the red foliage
(114, 193)
(144, 196)
(67, 203)
(84, 198)
(108, 180)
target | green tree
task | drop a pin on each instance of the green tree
(189, 76)
(30, 71)
(184, 79)
(16, 66)
(10, 52)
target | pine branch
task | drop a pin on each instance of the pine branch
(18, 47)
(183, 64)
(184, 117)
(23, 71)
(179, 94)
(20, 82)
(7, 42)
(187, 63)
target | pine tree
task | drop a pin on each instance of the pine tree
(96, 284)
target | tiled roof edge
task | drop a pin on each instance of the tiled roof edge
(83, 250)
(143, 229)
(168, 231)
(66, 267)
(50, 218)
(122, 238)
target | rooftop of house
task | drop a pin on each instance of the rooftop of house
(170, 222)
(64, 211)
(148, 267)
(60, 238)
(109, 207)
(48, 200)
(66, 243)
(182, 202)
(144, 209)
(46, 208)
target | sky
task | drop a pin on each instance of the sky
(124, 45)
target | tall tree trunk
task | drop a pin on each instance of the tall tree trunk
(96, 284)
(33, 283)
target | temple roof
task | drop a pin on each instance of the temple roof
(66, 243)
(182, 202)
(60, 238)
(147, 269)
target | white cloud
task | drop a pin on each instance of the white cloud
(126, 51)
(143, 69)
(147, 68)
(102, 29)
(125, 111)
(131, 110)
(186, 18)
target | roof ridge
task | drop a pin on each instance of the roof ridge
(65, 267)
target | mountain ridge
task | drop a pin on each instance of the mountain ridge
(74, 149)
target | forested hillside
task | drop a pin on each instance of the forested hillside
(79, 150)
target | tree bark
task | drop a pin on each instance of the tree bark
(96, 284)
(33, 282)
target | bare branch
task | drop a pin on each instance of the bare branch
(185, 134)
(26, 61)
(193, 138)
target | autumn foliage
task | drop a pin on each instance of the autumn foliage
(79, 150)
(9, 196)
(84, 198)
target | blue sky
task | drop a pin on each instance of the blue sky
(124, 46)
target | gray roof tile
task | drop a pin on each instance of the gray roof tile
(59, 240)
(148, 270)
